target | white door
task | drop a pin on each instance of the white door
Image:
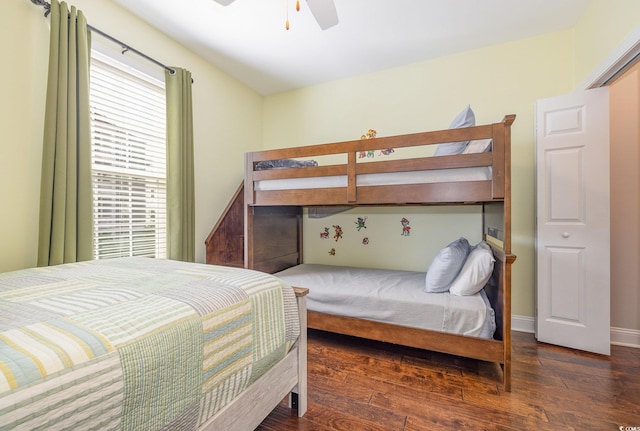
(572, 220)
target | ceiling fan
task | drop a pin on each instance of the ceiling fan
(324, 11)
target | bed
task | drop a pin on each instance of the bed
(330, 177)
(148, 344)
(391, 296)
(466, 177)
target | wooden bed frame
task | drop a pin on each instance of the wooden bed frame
(287, 377)
(273, 223)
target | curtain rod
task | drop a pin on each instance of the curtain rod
(125, 47)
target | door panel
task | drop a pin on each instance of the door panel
(572, 220)
(567, 269)
(565, 185)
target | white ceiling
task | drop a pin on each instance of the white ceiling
(248, 39)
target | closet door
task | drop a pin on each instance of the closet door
(572, 220)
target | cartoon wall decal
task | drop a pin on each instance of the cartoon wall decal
(325, 234)
(369, 134)
(332, 252)
(360, 223)
(386, 151)
(365, 240)
(369, 154)
(338, 232)
(406, 229)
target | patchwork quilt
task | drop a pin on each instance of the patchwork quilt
(135, 343)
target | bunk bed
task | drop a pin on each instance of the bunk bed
(148, 344)
(274, 200)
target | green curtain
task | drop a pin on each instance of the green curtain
(180, 176)
(65, 227)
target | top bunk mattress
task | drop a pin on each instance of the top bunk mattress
(481, 173)
(391, 296)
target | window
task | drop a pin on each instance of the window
(128, 124)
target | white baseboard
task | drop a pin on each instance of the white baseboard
(523, 324)
(619, 336)
(625, 337)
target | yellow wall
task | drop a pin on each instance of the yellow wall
(227, 119)
(498, 80)
(603, 26)
(22, 84)
(386, 246)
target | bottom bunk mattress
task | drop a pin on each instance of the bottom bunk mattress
(391, 296)
(135, 343)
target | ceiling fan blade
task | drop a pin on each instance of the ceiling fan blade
(224, 2)
(324, 11)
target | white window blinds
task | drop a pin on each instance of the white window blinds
(129, 160)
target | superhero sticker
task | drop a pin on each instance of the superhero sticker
(369, 154)
(406, 229)
(337, 232)
(360, 224)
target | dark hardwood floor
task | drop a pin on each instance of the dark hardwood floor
(362, 385)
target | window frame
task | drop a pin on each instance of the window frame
(128, 159)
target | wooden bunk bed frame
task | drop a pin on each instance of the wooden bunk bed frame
(273, 223)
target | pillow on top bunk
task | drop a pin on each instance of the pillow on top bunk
(478, 146)
(464, 119)
(475, 272)
(445, 266)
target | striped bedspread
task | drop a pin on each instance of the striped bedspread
(135, 343)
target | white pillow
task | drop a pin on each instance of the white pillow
(464, 119)
(478, 146)
(475, 272)
(445, 266)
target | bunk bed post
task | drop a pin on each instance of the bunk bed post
(300, 237)
(506, 321)
(505, 135)
(249, 195)
(498, 183)
(501, 132)
(508, 121)
(300, 390)
(248, 210)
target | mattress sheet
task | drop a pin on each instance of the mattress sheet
(481, 173)
(135, 343)
(391, 296)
